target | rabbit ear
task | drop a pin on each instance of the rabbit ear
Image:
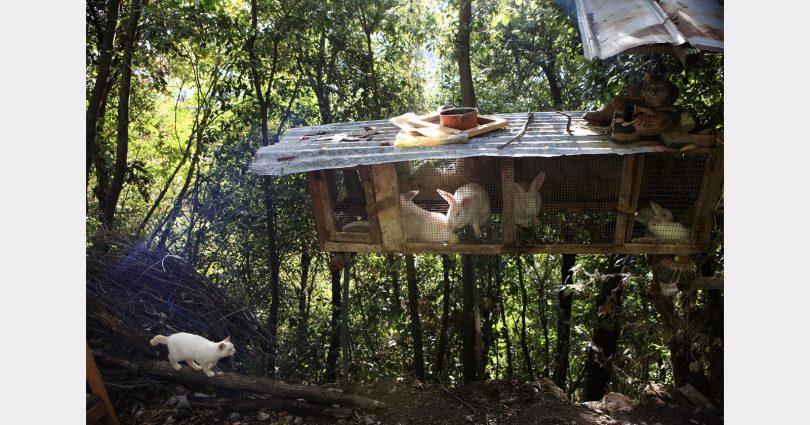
(537, 182)
(659, 212)
(447, 197)
(407, 196)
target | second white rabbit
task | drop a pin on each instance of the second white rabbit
(469, 206)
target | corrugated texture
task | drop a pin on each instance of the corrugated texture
(299, 151)
(609, 27)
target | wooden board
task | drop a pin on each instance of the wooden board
(486, 123)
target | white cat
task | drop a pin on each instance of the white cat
(196, 351)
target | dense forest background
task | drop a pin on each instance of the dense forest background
(181, 94)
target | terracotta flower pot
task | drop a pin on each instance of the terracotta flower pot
(459, 118)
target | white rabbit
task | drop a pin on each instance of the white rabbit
(646, 215)
(422, 225)
(468, 206)
(662, 225)
(527, 201)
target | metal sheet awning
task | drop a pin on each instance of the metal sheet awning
(610, 27)
(305, 149)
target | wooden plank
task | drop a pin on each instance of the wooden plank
(97, 387)
(625, 197)
(386, 184)
(508, 191)
(709, 196)
(636, 192)
(318, 207)
(326, 203)
(371, 204)
(96, 412)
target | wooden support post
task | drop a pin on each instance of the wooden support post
(319, 209)
(636, 191)
(709, 196)
(392, 234)
(623, 210)
(98, 389)
(508, 190)
(371, 201)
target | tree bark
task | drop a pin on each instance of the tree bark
(98, 97)
(604, 342)
(128, 42)
(334, 326)
(396, 307)
(505, 332)
(416, 324)
(565, 298)
(344, 322)
(463, 46)
(442, 348)
(239, 382)
(527, 357)
(471, 325)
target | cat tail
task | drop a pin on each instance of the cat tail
(160, 339)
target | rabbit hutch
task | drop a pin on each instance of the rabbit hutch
(561, 187)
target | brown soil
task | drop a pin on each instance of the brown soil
(416, 403)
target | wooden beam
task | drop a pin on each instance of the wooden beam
(636, 191)
(508, 191)
(318, 208)
(625, 198)
(709, 196)
(371, 202)
(386, 184)
(97, 387)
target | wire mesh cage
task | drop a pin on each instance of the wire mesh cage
(668, 198)
(346, 190)
(452, 201)
(567, 200)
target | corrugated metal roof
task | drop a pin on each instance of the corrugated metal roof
(303, 149)
(610, 27)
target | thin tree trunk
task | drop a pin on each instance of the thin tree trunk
(471, 320)
(487, 316)
(416, 324)
(98, 97)
(344, 322)
(442, 348)
(505, 332)
(122, 140)
(303, 318)
(393, 267)
(334, 326)
(606, 335)
(542, 305)
(565, 297)
(463, 47)
(527, 358)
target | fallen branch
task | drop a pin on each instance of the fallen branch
(236, 381)
(456, 397)
(522, 132)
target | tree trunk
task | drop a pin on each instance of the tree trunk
(505, 332)
(393, 267)
(344, 322)
(541, 307)
(565, 297)
(606, 335)
(463, 47)
(471, 320)
(303, 316)
(416, 325)
(98, 97)
(122, 139)
(442, 348)
(527, 357)
(334, 326)
(239, 382)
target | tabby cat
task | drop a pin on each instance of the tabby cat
(657, 90)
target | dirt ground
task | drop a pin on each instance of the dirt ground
(415, 403)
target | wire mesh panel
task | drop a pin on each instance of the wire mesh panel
(668, 197)
(567, 200)
(348, 200)
(452, 201)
